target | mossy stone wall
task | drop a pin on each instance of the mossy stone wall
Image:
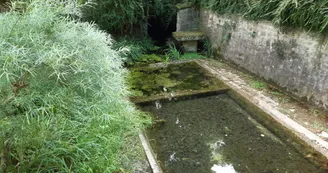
(295, 60)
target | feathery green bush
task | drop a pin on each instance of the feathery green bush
(63, 100)
(131, 49)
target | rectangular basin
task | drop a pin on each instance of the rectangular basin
(217, 130)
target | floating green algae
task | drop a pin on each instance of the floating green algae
(172, 78)
(197, 133)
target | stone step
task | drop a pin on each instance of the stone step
(189, 39)
(188, 35)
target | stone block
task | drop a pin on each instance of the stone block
(188, 36)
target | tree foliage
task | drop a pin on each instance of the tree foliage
(63, 105)
(115, 15)
(122, 16)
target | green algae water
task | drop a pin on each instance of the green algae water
(196, 135)
(211, 132)
(148, 81)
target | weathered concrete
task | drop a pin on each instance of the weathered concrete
(294, 60)
(150, 154)
(189, 39)
(188, 36)
(187, 27)
(267, 105)
(188, 19)
(190, 46)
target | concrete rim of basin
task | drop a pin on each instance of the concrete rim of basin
(260, 101)
(314, 141)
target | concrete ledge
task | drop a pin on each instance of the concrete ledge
(181, 6)
(267, 105)
(150, 154)
(188, 36)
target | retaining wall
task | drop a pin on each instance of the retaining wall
(292, 59)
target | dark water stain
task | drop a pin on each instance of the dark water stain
(193, 134)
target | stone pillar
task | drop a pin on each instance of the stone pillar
(187, 27)
(187, 18)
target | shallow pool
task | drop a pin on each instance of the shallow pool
(197, 134)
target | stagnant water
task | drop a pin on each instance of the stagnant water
(213, 132)
(149, 81)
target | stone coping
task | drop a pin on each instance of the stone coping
(181, 6)
(151, 157)
(188, 35)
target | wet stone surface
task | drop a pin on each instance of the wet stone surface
(195, 135)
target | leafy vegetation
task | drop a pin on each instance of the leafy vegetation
(115, 15)
(122, 16)
(310, 15)
(63, 105)
(258, 84)
(208, 49)
(164, 10)
(173, 52)
(132, 49)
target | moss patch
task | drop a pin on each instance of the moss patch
(150, 58)
(148, 81)
(181, 6)
(192, 56)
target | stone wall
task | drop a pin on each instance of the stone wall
(188, 19)
(292, 59)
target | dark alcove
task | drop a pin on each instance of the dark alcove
(161, 31)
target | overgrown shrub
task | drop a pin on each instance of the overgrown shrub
(115, 15)
(173, 52)
(131, 49)
(63, 105)
(164, 10)
(122, 16)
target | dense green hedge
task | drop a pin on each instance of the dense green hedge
(63, 100)
(122, 16)
(117, 15)
(310, 15)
